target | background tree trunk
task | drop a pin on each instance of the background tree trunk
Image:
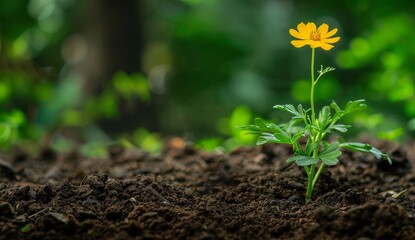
(114, 33)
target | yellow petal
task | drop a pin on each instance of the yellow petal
(300, 43)
(323, 45)
(315, 44)
(311, 27)
(297, 34)
(329, 34)
(331, 40)
(326, 46)
(302, 28)
(323, 29)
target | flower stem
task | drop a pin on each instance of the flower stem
(312, 175)
(313, 117)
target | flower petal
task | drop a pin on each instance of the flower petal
(311, 27)
(323, 29)
(331, 40)
(297, 34)
(329, 34)
(315, 44)
(302, 28)
(300, 43)
(323, 45)
(326, 46)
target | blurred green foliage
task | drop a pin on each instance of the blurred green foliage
(255, 66)
(207, 66)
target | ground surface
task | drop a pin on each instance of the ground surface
(250, 193)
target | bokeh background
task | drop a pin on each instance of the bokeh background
(87, 74)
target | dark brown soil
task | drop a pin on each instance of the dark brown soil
(250, 193)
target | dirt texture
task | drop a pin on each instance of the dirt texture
(183, 193)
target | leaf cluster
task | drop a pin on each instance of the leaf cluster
(303, 125)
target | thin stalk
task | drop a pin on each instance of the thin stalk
(310, 183)
(312, 175)
(313, 116)
(320, 169)
(307, 170)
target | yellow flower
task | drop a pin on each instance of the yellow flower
(310, 35)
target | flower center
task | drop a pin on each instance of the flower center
(315, 36)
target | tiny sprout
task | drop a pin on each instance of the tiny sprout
(399, 194)
(25, 228)
(317, 152)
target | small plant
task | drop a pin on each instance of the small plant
(305, 123)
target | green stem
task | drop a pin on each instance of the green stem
(312, 176)
(312, 179)
(320, 169)
(313, 117)
(310, 183)
(307, 170)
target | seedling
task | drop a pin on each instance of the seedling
(305, 123)
(25, 228)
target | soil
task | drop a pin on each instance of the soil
(184, 193)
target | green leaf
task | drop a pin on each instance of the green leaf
(282, 135)
(273, 127)
(252, 129)
(302, 160)
(334, 154)
(354, 106)
(335, 106)
(270, 132)
(294, 121)
(259, 127)
(272, 138)
(325, 114)
(356, 146)
(324, 118)
(291, 109)
(338, 127)
(330, 154)
(367, 148)
(267, 138)
(351, 106)
(260, 123)
(297, 135)
(330, 148)
(300, 109)
(338, 115)
(330, 161)
(310, 147)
